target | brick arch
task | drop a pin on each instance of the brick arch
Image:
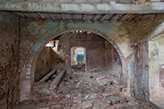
(51, 34)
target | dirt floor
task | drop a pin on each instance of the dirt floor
(82, 90)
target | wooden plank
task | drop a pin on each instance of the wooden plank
(33, 16)
(41, 15)
(63, 17)
(94, 17)
(105, 16)
(47, 76)
(21, 14)
(52, 16)
(84, 17)
(74, 18)
(127, 16)
(112, 17)
(56, 81)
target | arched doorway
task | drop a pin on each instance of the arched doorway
(104, 66)
(40, 43)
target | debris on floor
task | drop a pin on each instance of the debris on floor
(91, 90)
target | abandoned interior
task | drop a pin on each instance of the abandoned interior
(81, 54)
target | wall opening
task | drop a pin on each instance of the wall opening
(78, 59)
(75, 53)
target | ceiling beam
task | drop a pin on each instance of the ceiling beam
(52, 16)
(84, 16)
(134, 17)
(105, 16)
(80, 7)
(74, 18)
(21, 14)
(33, 16)
(94, 17)
(112, 17)
(63, 17)
(121, 17)
(41, 15)
(127, 16)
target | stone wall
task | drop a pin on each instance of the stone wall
(9, 60)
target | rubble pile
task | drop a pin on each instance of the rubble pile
(89, 83)
(78, 67)
(94, 90)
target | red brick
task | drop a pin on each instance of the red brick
(50, 103)
(119, 105)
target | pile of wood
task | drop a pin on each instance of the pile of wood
(49, 82)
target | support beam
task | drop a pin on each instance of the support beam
(80, 7)
(33, 16)
(121, 17)
(74, 18)
(56, 81)
(63, 17)
(105, 16)
(94, 17)
(21, 14)
(112, 17)
(127, 16)
(52, 16)
(47, 76)
(41, 15)
(134, 17)
(84, 17)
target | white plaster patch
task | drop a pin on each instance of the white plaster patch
(70, 7)
(87, 7)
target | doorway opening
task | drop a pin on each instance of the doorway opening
(156, 70)
(78, 59)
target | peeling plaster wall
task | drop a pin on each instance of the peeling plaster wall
(9, 60)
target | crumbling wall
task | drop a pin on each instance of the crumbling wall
(9, 60)
(43, 63)
(113, 62)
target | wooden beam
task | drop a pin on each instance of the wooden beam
(21, 14)
(121, 17)
(56, 81)
(74, 18)
(84, 16)
(63, 17)
(33, 16)
(47, 76)
(94, 17)
(127, 16)
(105, 16)
(112, 17)
(134, 17)
(52, 16)
(41, 15)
